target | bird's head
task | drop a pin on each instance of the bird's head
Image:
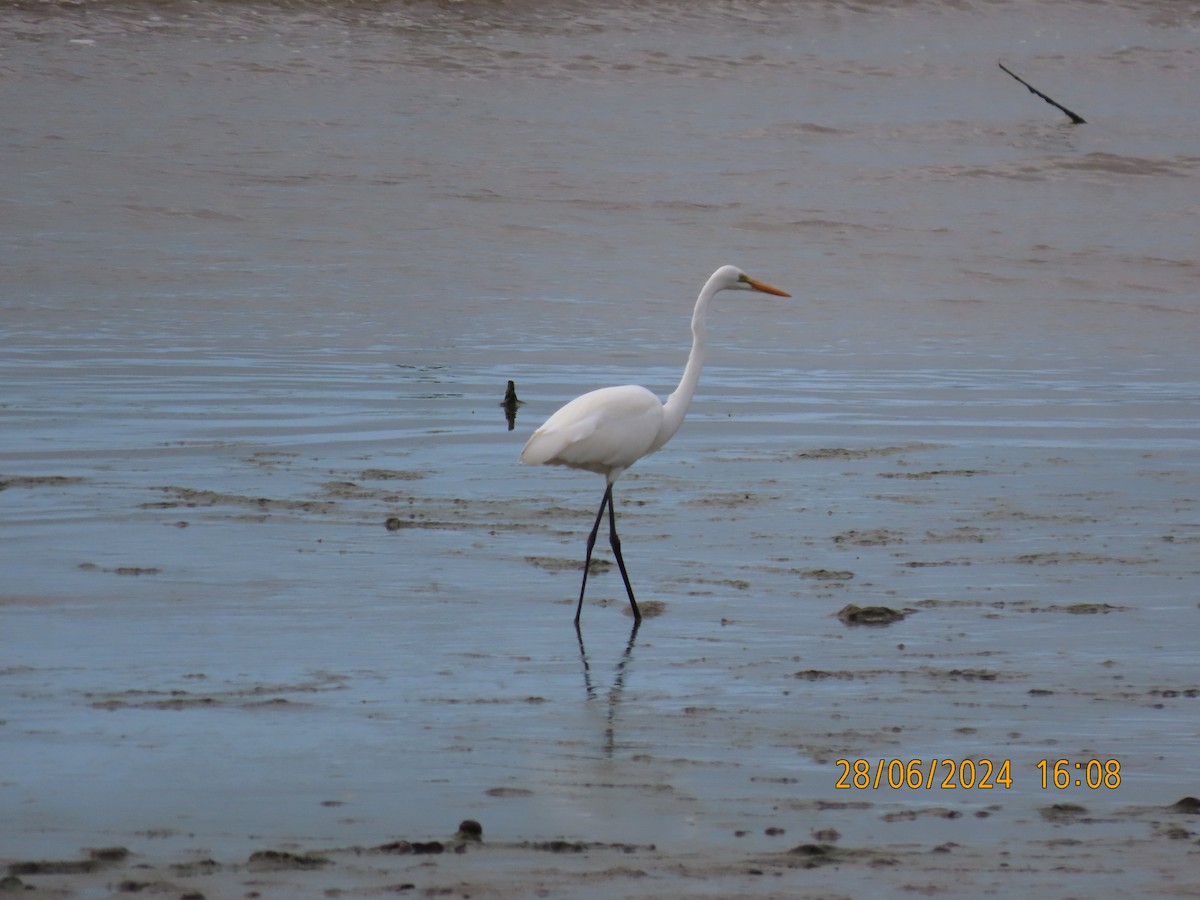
(733, 278)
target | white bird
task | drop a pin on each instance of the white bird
(606, 431)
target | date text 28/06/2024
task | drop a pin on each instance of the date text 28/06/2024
(973, 774)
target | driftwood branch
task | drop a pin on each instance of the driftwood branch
(1074, 117)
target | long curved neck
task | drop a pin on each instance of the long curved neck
(677, 404)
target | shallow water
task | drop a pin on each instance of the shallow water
(269, 267)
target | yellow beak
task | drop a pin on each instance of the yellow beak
(766, 288)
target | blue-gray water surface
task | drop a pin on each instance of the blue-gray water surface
(268, 268)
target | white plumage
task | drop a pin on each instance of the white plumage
(604, 431)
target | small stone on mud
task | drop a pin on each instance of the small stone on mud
(813, 854)
(392, 524)
(868, 615)
(470, 830)
(810, 850)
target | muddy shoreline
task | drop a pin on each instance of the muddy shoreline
(1136, 847)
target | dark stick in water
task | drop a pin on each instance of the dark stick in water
(1074, 117)
(510, 404)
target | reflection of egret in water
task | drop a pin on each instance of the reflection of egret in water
(618, 685)
(510, 404)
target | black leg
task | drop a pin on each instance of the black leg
(615, 543)
(587, 561)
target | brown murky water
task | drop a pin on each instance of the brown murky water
(268, 269)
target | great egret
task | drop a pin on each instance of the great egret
(608, 430)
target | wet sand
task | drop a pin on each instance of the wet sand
(814, 867)
(280, 609)
(709, 753)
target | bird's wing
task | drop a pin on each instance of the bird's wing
(551, 439)
(601, 431)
